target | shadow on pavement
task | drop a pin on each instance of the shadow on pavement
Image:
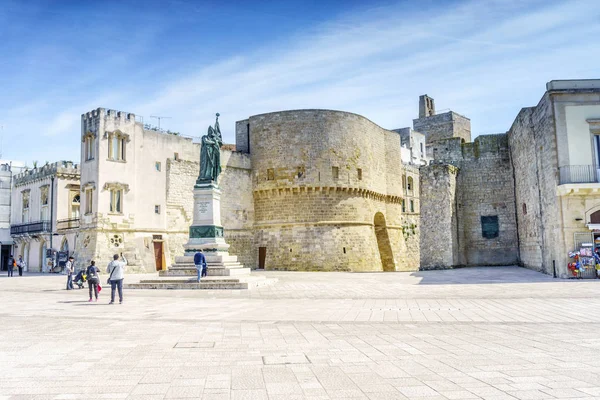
(482, 275)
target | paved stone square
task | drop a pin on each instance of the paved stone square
(479, 333)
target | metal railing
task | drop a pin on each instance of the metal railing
(579, 174)
(32, 227)
(70, 223)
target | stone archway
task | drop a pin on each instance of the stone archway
(383, 243)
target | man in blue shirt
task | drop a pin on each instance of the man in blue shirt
(200, 263)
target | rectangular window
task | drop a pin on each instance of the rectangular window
(157, 166)
(116, 201)
(300, 171)
(270, 174)
(359, 172)
(44, 195)
(489, 226)
(335, 171)
(25, 206)
(412, 206)
(421, 149)
(176, 156)
(116, 149)
(157, 209)
(89, 148)
(403, 205)
(89, 201)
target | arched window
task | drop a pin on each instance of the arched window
(75, 203)
(65, 246)
(403, 181)
(409, 184)
(595, 217)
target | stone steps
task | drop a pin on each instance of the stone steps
(207, 283)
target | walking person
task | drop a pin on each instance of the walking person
(70, 268)
(116, 269)
(11, 265)
(200, 263)
(93, 279)
(20, 265)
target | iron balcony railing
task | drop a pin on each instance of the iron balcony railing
(31, 227)
(579, 174)
(64, 224)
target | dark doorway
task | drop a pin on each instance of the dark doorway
(262, 256)
(383, 243)
(595, 218)
(158, 255)
(4, 258)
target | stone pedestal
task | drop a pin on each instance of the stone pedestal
(206, 234)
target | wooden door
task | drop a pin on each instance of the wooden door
(158, 255)
(262, 256)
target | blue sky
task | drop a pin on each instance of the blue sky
(187, 60)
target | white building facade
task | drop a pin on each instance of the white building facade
(125, 174)
(45, 214)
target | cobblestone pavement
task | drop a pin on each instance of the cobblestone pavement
(480, 333)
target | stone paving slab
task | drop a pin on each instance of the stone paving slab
(481, 333)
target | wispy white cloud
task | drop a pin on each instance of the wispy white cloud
(485, 59)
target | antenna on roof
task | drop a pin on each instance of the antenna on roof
(159, 118)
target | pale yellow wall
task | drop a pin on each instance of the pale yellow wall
(580, 144)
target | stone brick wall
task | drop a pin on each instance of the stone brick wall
(327, 183)
(438, 223)
(484, 187)
(534, 155)
(444, 126)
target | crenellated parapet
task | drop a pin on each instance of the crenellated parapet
(60, 169)
(90, 121)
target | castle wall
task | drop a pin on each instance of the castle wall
(320, 178)
(484, 188)
(438, 224)
(527, 190)
(444, 126)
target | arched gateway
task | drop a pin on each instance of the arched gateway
(383, 243)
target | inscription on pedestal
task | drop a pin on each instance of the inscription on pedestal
(203, 207)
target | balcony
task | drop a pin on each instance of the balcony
(31, 227)
(64, 224)
(579, 174)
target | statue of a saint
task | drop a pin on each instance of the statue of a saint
(210, 155)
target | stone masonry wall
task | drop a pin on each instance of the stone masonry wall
(328, 183)
(486, 188)
(534, 154)
(438, 224)
(444, 126)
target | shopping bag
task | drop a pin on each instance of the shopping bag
(99, 288)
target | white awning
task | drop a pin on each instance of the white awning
(8, 242)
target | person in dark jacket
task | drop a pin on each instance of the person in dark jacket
(11, 265)
(93, 279)
(200, 263)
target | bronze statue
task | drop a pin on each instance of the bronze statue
(210, 155)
